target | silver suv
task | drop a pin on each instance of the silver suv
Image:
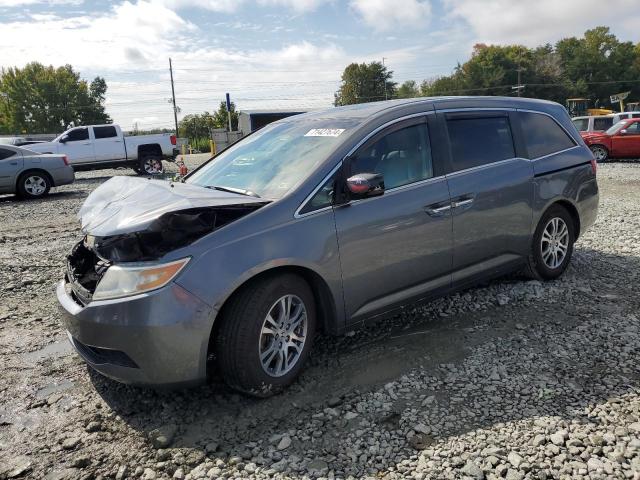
(317, 223)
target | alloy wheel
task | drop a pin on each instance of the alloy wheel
(35, 185)
(554, 243)
(152, 166)
(599, 153)
(283, 335)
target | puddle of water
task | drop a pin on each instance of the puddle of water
(53, 350)
(62, 386)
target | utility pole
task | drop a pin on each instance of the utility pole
(384, 80)
(173, 98)
(518, 88)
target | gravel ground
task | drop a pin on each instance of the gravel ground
(514, 379)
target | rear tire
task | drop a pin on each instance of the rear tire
(552, 245)
(150, 165)
(600, 153)
(33, 185)
(266, 334)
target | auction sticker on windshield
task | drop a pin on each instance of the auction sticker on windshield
(324, 132)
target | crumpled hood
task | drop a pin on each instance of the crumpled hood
(128, 204)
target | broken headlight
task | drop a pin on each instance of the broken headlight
(135, 278)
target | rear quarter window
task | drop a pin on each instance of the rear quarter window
(6, 153)
(542, 135)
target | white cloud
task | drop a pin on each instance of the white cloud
(130, 34)
(129, 45)
(20, 3)
(534, 23)
(229, 6)
(213, 5)
(386, 14)
(297, 5)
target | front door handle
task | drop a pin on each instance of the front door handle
(462, 203)
(437, 209)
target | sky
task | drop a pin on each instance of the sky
(274, 54)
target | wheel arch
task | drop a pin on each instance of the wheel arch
(34, 170)
(569, 207)
(149, 148)
(325, 303)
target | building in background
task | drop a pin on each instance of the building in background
(252, 120)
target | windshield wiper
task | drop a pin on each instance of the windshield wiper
(241, 191)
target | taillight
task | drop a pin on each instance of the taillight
(173, 139)
(65, 159)
(594, 166)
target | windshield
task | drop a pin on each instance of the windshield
(582, 124)
(617, 127)
(274, 160)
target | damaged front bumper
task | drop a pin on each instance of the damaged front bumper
(159, 338)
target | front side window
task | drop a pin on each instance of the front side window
(274, 160)
(104, 132)
(479, 141)
(323, 197)
(602, 124)
(616, 128)
(6, 153)
(542, 135)
(634, 129)
(76, 135)
(402, 156)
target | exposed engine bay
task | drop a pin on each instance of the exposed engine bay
(135, 220)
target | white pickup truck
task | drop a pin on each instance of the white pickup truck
(104, 146)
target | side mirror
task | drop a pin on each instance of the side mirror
(365, 185)
(64, 139)
(623, 131)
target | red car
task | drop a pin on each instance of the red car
(622, 140)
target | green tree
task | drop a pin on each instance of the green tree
(408, 89)
(598, 65)
(594, 66)
(196, 125)
(39, 99)
(220, 119)
(362, 82)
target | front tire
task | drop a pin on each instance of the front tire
(600, 152)
(552, 246)
(33, 185)
(266, 334)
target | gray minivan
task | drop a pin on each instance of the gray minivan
(316, 223)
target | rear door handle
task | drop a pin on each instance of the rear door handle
(437, 209)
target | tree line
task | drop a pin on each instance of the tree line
(40, 99)
(594, 66)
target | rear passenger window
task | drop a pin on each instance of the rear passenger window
(602, 124)
(479, 141)
(403, 156)
(542, 135)
(104, 132)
